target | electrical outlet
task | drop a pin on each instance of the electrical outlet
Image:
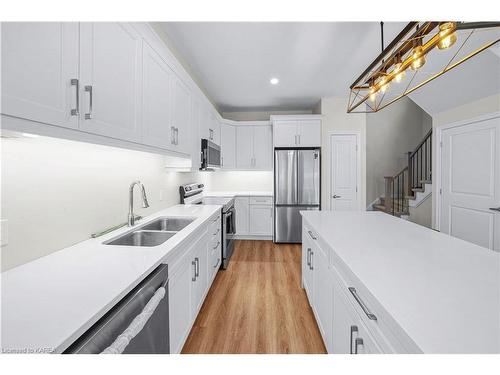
(4, 232)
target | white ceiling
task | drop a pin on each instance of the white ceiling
(234, 62)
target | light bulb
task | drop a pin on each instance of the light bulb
(373, 93)
(418, 58)
(384, 85)
(399, 72)
(447, 34)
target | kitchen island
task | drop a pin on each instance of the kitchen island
(379, 284)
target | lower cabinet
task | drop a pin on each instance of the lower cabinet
(254, 216)
(341, 326)
(190, 278)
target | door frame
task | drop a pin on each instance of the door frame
(357, 134)
(439, 157)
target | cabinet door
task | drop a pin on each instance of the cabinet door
(261, 220)
(244, 147)
(213, 129)
(242, 215)
(228, 146)
(345, 324)
(111, 74)
(179, 300)
(39, 60)
(181, 115)
(310, 133)
(200, 283)
(307, 279)
(263, 147)
(157, 98)
(285, 133)
(196, 112)
(323, 295)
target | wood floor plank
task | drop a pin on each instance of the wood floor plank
(257, 305)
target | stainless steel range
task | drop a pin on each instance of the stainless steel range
(194, 194)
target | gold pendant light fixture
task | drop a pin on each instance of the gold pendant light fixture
(411, 60)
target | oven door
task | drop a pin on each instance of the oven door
(228, 232)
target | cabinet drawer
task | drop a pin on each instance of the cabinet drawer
(214, 225)
(261, 200)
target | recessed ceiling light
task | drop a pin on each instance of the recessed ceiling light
(274, 81)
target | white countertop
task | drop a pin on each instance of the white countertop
(442, 291)
(49, 302)
(239, 193)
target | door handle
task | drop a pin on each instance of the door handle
(308, 259)
(353, 329)
(311, 262)
(497, 209)
(76, 111)
(88, 89)
(193, 263)
(336, 196)
(197, 260)
(359, 341)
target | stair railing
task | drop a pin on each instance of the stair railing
(420, 164)
(396, 193)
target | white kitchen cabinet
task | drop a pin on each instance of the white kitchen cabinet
(307, 270)
(261, 219)
(301, 132)
(244, 147)
(322, 293)
(200, 279)
(39, 73)
(242, 215)
(157, 100)
(181, 116)
(263, 147)
(180, 303)
(228, 146)
(111, 75)
(254, 147)
(196, 114)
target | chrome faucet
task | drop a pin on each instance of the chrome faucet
(145, 204)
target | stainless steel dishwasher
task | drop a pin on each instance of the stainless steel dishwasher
(152, 339)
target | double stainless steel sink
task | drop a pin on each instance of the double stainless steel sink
(153, 233)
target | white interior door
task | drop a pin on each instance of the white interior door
(471, 182)
(344, 172)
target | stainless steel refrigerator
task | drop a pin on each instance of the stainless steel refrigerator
(297, 178)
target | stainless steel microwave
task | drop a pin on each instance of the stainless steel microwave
(210, 155)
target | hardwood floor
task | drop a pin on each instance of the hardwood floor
(257, 305)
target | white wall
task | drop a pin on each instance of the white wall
(336, 118)
(489, 104)
(259, 115)
(55, 193)
(390, 135)
(238, 180)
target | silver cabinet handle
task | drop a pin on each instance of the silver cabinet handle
(197, 267)
(336, 196)
(193, 263)
(216, 264)
(76, 111)
(88, 89)
(172, 135)
(311, 262)
(298, 135)
(216, 232)
(312, 235)
(358, 342)
(176, 136)
(216, 219)
(222, 161)
(216, 246)
(353, 329)
(495, 209)
(362, 304)
(308, 259)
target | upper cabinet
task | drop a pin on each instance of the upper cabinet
(297, 131)
(157, 99)
(111, 80)
(254, 147)
(181, 116)
(228, 146)
(40, 72)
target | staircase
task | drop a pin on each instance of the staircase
(410, 186)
